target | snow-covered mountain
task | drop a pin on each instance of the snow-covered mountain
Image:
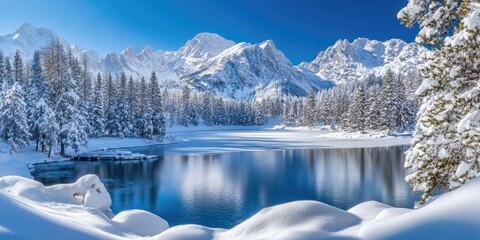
(243, 70)
(247, 70)
(355, 61)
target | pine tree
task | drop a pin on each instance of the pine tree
(143, 116)
(122, 109)
(8, 73)
(372, 115)
(184, 110)
(445, 147)
(13, 119)
(37, 118)
(158, 119)
(2, 69)
(96, 119)
(49, 130)
(387, 104)
(111, 126)
(63, 87)
(309, 110)
(356, 112)
(18, 72)
(35, 96)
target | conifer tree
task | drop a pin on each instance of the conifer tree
(387, 104)
(96, 119)
(122, 109)
(445, 151)
(309, 110)
(112, 127)
(158, 119)
(356, 112)
(49, 130)
(13, 119)
(18, 72)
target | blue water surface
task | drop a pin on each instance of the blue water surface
(222, 190)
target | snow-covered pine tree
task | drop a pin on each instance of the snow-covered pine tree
(86, 80)
(132, 103)
(158, 119)
(37, 118)
(260, 115)
(387, 104)
(63, 88)
(112, 127)
(372, 116)
(8, 73)
(122, 109)
(445, 147)
(184, 107)
(356, 112)
(49, 130)
(18, 71)
(96, 117)
(13, 119)
(309, 110)
(35, 96)
(2, 69)
(206, 112)
(143, 116)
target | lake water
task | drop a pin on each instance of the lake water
(222, 190)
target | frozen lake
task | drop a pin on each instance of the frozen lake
(223, 189)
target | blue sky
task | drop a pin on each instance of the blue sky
(300, 28)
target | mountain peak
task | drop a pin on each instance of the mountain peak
(268, 44)
(147, 50)
(26, 27)
(205, 45)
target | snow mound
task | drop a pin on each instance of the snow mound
(88, 191)
(188, 232)
(294, 220)
(453, 215)
(141, 222)
(368, 210)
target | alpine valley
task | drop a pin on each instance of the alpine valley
(235, 70)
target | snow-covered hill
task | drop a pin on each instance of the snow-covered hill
(243, 70)
(355, 61)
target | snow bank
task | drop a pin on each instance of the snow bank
(454, 215)
(53, 213)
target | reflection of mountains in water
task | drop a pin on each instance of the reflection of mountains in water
(221, 190)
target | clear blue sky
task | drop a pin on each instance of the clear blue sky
(300, 28)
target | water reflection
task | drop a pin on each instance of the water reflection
(221, 190)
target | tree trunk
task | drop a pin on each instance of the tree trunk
(62, 149)
(49, 151)
(36, 146)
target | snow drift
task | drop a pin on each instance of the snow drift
(59, 212)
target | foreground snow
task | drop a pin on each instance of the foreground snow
(79, 211)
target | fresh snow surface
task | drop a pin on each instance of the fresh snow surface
(33, 211)
(211, 140)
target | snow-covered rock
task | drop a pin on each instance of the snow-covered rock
(88, 191)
